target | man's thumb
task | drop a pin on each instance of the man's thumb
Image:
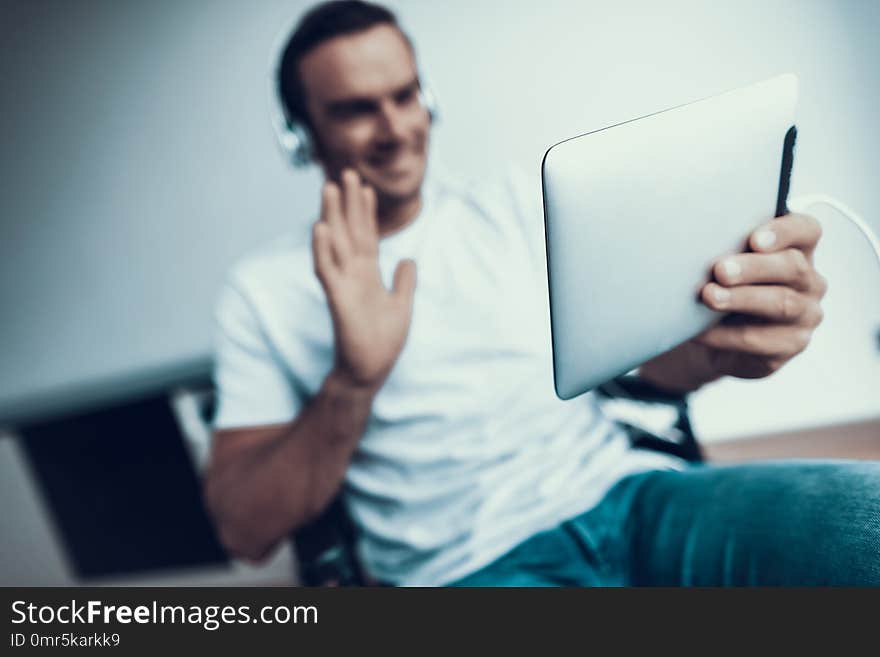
(405, 280)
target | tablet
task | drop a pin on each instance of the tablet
(637, 213)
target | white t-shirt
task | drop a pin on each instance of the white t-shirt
(467, 451)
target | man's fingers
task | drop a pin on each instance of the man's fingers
(768, 340)
(789, 267)
(777, 303)
(404, 285)
(364, 231)
(797, 231)
(322, 253)
(370, 210)
(352, 204)
(331, 216)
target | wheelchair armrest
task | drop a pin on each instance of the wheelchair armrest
(325, 549)
(633, 387)
(638, 390)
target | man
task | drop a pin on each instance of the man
(433, 401)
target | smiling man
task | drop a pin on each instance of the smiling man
(430, 404)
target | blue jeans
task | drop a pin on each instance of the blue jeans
(779, 523)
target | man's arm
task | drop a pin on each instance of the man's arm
(772, 294)
(263, 482)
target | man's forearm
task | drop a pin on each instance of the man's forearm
(259, 494)
(680, 370)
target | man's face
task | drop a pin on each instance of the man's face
(362, 97)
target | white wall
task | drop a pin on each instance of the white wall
(138, 162)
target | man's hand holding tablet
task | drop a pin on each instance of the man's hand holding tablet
(773, 295)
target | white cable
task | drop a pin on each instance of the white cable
(801, 203)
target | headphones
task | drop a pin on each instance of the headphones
(293, 136)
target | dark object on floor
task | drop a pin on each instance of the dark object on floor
(122, 490)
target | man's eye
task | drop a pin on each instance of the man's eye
(352, 111)
(406, 96)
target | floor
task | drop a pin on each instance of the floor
(855, 440)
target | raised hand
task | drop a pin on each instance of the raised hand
(370, 322)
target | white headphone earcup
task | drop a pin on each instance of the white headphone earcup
(300, 145)
(429, 102)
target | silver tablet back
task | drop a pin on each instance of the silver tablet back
(636, 214)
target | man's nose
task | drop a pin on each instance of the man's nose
(392, 121)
